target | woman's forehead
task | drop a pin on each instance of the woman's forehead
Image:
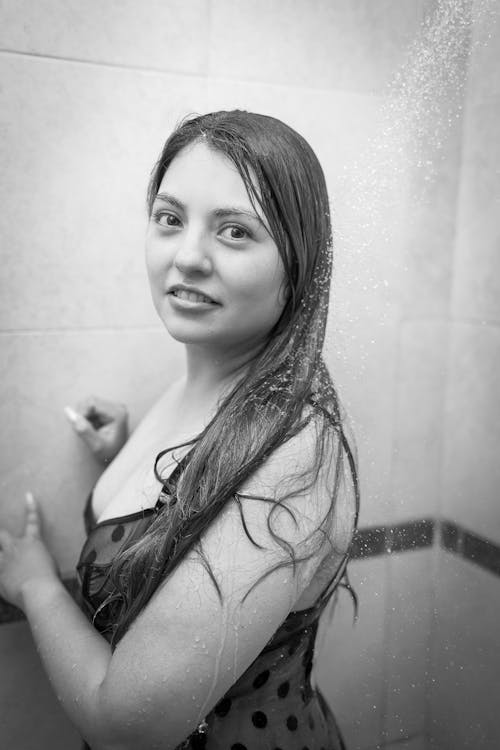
(202, 172)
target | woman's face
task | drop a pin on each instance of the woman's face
(215, 272)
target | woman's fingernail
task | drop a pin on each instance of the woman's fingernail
(71, 414)
(30, 499)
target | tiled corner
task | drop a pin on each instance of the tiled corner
(168, 35)
(79, 145)
(466, 658)
(471, 470)
(420, 388)
(342, 45)
(40, 452)
(409, 613)
(35, 719)
(349, 660)
(476, 291)
(483, 64)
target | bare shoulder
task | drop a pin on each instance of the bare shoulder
(308, 488)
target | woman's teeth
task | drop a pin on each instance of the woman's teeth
(191, 296)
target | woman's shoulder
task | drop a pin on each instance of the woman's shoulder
(307, 450)
(308, 480)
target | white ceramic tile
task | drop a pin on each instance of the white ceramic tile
(428, 241)
(79, 145)
(471, 470)
(421, 380)
(362, 360)
(161, 34)
(349, 661)
(344, 45)
(31, 716)
(40, 375)
(409, 629)
(476, 291)
(483, 62)
(464, 696)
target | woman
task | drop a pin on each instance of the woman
(206, 568)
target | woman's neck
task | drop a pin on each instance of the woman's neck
(211, 374)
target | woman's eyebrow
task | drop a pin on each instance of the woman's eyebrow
(218, 212)
(166, 198)
(236, 211)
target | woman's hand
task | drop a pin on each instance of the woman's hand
(24, 561)
(102, 425)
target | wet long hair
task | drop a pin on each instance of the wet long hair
(286, 386)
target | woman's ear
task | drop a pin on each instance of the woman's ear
(284, 293)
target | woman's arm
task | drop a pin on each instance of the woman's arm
(75, 656)
(73, 653)
(186, 649)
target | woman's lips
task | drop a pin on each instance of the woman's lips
(182, 300)
(192, 296)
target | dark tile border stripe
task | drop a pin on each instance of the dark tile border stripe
(417, 534)
(474, 548)
(380, 540)
(373, 541)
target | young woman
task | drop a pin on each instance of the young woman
(222, 527)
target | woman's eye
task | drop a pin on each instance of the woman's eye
(166, 219)
(234, 232)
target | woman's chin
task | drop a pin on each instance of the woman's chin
(189, 334)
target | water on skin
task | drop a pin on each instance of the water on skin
(223, 634)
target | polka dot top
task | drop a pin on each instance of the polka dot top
(273, 703)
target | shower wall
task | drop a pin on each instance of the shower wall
(466, 655)
(92, 91)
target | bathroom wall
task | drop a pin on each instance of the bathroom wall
(466, 656)
(92, 91)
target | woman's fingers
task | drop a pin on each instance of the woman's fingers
(32, 526)
(84, 428)
(71, 414)
(103, 426)
(98, 411)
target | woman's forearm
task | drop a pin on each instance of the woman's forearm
(74, 654)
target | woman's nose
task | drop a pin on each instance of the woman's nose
(193, 254)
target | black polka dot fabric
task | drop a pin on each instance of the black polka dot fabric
(118, 533)
(273, 704)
